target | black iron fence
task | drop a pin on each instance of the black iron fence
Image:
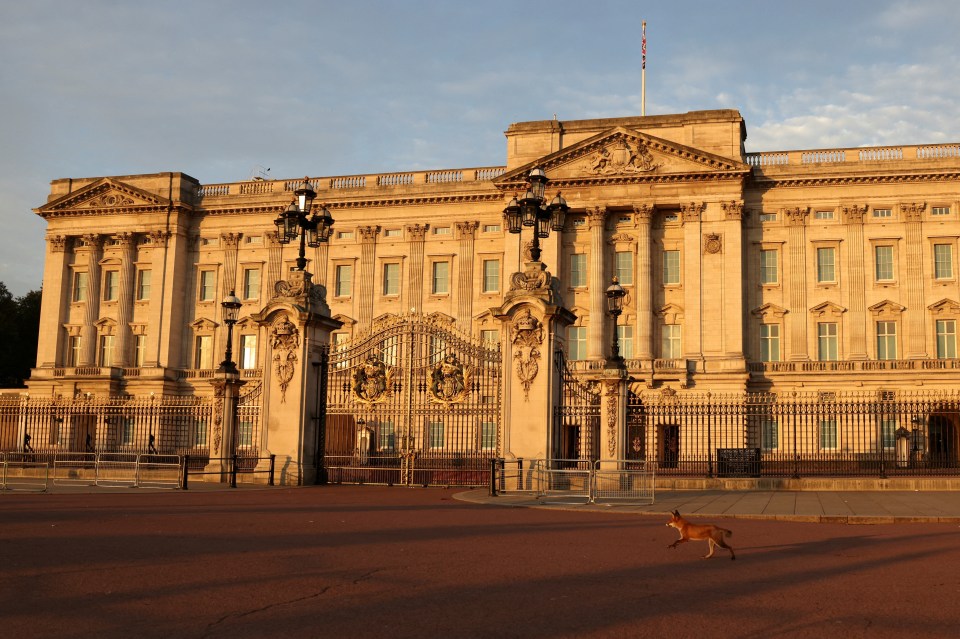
(878, 434)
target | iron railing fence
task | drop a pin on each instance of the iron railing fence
(879, 433)
(409, 469)
(91, 425)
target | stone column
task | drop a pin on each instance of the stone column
(128, 248)
(597, 330)
(643, 344)
(467, 232)
(914, 318)
(417, 235)
(226, 393)
(613, 417)
(231, 244)
(797, 251)
(88, 332)
(856, 276)
(692, 280)
(57, 288)
(159, 241)
(367, 275)
(274, 262)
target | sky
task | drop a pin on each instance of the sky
(224, 90)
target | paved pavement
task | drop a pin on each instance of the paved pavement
(853, 507)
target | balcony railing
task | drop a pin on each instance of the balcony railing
(854, 366)
(853, 155)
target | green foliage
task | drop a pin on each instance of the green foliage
(19, 331)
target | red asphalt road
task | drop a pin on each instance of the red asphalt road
(398, 562)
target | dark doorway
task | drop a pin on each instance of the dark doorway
(668, 445)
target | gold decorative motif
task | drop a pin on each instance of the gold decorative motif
(450, 381)
(372, 381)
(285, 341)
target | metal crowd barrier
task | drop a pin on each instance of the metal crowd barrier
(575, 480)
(23, 475)
(36, 471)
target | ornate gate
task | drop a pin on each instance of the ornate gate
(576, 433)
(413, 402)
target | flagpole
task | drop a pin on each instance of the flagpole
(643, 71)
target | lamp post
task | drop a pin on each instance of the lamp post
(615, 295)
(294, 222)
(533, 210)
(231, 311)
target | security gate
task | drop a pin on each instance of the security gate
(576, 420)
(413, 402)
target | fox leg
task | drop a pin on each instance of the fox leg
(679, 541)
(713, 546)
(723, 544)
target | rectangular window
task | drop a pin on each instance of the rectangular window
(491, 276)
(882, 213)
(391, 278)
(344, 235)
(886, 340)
(768, 217)
(80, 286)
(827, 343)
(671, 267)
(490, 337)
(344, 280)
(769, 266)
(770, 342)
(208, 285)
(200, 432)
(106, 350)
(245, 433)
(73, 351)
(143, 284)
(769, 435)
(441, 278)
(826, 264)
(883, 258)
(488, 436)
(943, 261)
(338, 342)
(623, 261)
(441, 230)
(390, 349)
(251, 283)
(888, 433)
(578, 269)
(140, 350)
(491, 228)
(577, 342)
(111, 285)
(203, 352)
(670, 342)
(823, 215)
(625, 341)
(388, 436)
(393, 233)
(940, 210)
(946, 339)
(127, 431)
(436, 435)
(828, 434)
(248, 351)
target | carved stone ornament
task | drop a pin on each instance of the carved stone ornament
(372, 381)
(285, 340)
(712, 243)
(622, 158)
(450, 381)
(534, 277)
(108, 200)
(613, 400)
(732, 210)
(58, 243)
(527, 337)
(218, 391)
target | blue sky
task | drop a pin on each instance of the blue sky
(217, 89)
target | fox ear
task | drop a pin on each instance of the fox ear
(676, 513)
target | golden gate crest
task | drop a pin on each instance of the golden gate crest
(372, 381)
(449, 381)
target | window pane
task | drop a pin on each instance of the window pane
(488, 436)
(769, 435)
(671, 267)
(670, 342)
(768, 266)
(111, 283)
(770, 342)
(140, 350)
(828, 434)
(491, 276)
(943, 261)
(827, 345)
(251, 283)
(207, 285)
(625, 341)
(577, 342)
(884, 262)
(143, 284)
(344, 280)
(826, 259)
(436, 434)
(624, 267)
(203, 356)
(490, 337)
(388, 436)
(248, 351)
(391, 279)
(946, 339)
(106, 350)
(578, 269)
(886, 340)
(441, 278)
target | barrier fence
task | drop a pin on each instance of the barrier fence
(35, 472)
(408, 469)
(575, 480)
(229, 468)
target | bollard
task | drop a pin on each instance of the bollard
(186, 466)
(493, 477)
(233, 472)
(273, 460)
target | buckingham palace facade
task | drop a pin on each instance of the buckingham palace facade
(778, 274)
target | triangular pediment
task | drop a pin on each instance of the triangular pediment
(623, 154)
(105, 195)
(769, 310)
(945, 306)
(886, 307)
(827, 309)
(203, 324)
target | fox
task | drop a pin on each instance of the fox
(713, 534)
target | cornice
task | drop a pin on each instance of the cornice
(855, 179)
(618, 180)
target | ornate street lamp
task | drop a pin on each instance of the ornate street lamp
(615, 295)
(294, 222)
(231, 311)
(532, 210)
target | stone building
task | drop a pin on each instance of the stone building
(776, 272)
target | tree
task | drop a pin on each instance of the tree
(19, 331)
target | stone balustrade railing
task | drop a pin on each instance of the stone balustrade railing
(853, 155)
(353, 182)
(858, 365)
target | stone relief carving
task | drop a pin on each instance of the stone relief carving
(613, 409)
(285, 340)
(527, 338)
(58, 243)
(691, 212)
(622, 158)
(108, 200)
(796, 216)
(732, 210)
(218, 391)
(536, 276)
(712, 243)
(854, 214)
